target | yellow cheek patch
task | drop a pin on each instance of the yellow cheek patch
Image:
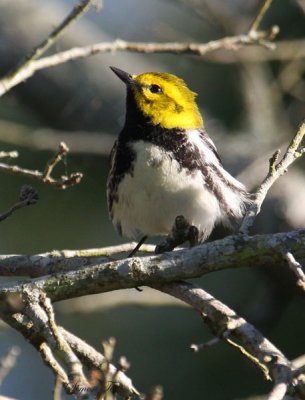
(172, 119)
(174, 107)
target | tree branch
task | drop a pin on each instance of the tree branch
(62, 152)
(296, 267)
(51, 362)
(40, 313)
(280, 389)
(9, 154)
(276, 169)
(92, 359)
(27, 307)
(199, 49)
(261, 12)
(286, 50)
(39, 50)
(62, 183)
(232, 252)
(89, 356)
(223, 321)
(63, 260)
(34, 63)
(228, 326)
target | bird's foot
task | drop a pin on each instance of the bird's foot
(181, 232)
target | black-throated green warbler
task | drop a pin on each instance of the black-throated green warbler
(164, 164)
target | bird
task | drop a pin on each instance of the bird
(164, 164)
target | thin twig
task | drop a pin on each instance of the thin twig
(93, 359)
(74, 366)
(239, 333)
(18, 74)
(299, 362)
(28, 196)
(57, 388)
(196, 347)
(123, 248)
(39, 50)
(273, 161)
(62, 152)
(279, 391)
(261, 12)
(38, 308)
(282, 380)
(293, 152)
(9, 154)
(286, 50)
(51, 361)
(88, 355)
(253, 359)
(106, 375)
(199, 49)
(62, 183)
(296, 267)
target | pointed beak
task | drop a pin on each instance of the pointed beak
(124, 76)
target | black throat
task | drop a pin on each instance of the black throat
(137, 126)
(135, 121)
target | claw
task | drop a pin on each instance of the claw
(181, 232)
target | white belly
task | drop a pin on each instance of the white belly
(158, 191)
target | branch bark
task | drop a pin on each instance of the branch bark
(236, 331)
(89, 356)
(232, 252)
(222, 320)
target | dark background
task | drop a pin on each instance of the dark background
(250, 109)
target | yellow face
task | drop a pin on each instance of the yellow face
(166, 100)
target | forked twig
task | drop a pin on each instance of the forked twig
(276, 169)
(62, 183)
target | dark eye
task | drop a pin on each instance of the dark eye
(155, 89)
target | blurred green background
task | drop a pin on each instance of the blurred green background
(251, 107)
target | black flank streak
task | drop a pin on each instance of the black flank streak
(122, 157)
(207, 141)
(224, 180)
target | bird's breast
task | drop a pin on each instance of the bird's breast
(157, 189)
